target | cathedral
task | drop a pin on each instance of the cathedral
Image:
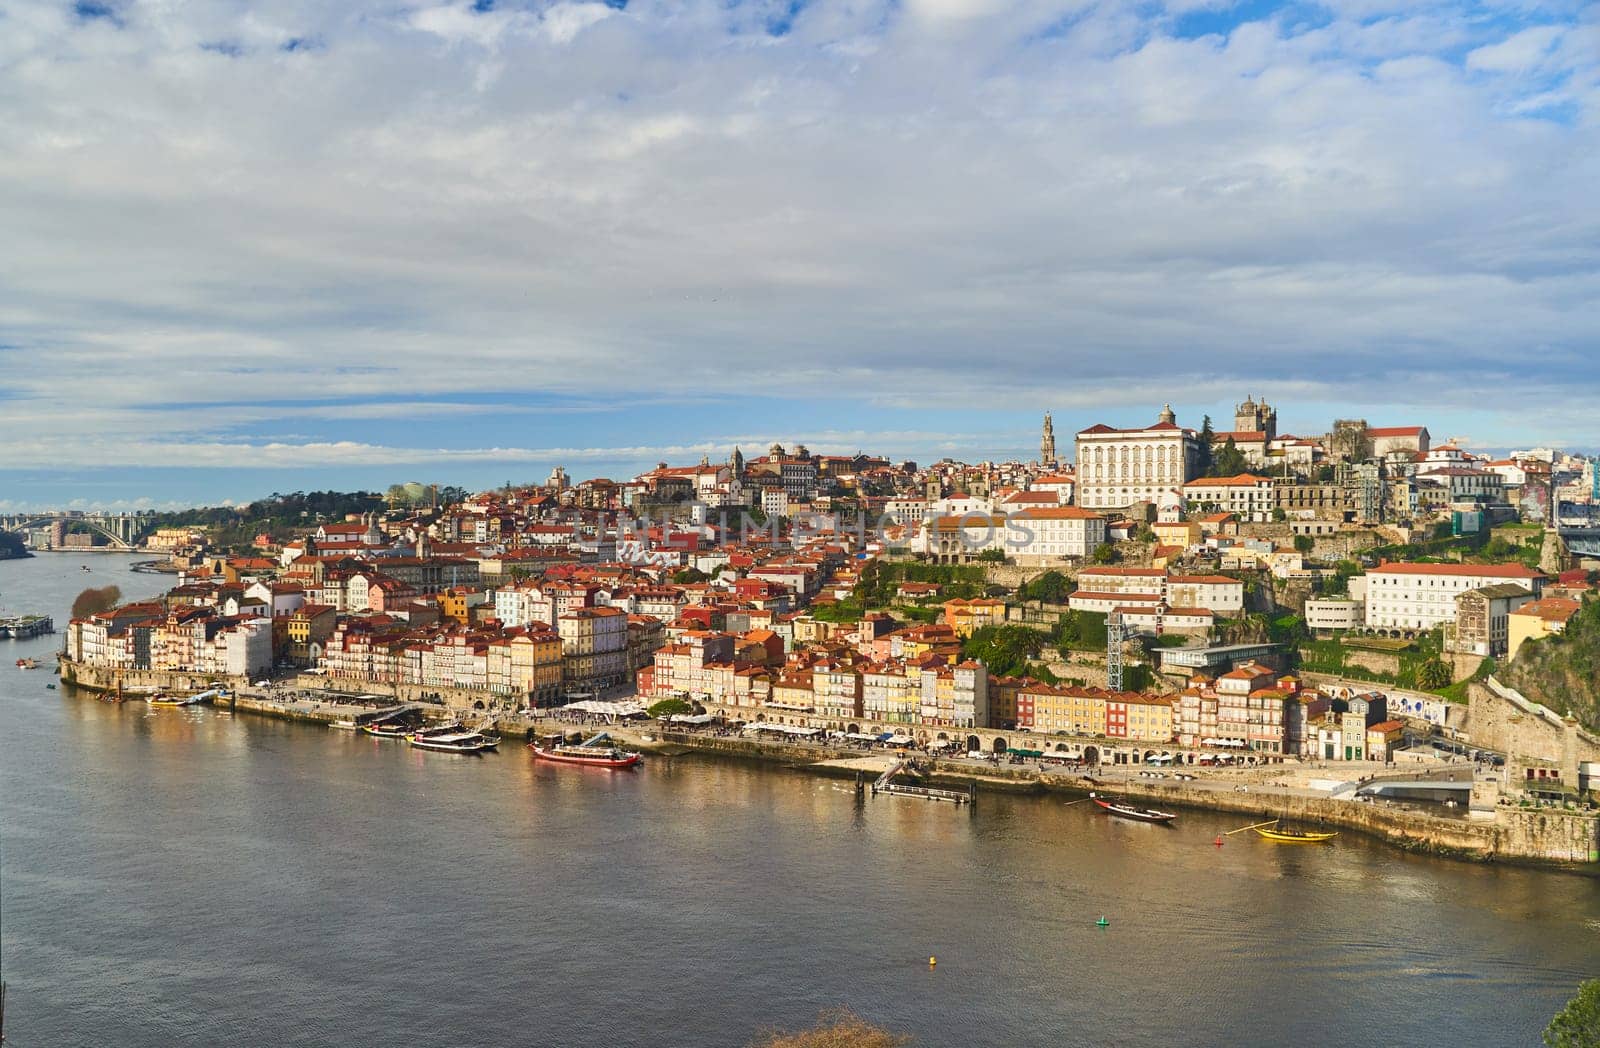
(1253, 417)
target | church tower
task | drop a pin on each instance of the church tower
(1047, 443)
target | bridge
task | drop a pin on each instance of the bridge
(48, 530)
(1585, 542)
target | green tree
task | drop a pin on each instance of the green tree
(669, 708)
(1105, 553)
(1279, 515)
(1304, 543)
(1433, 674)
(688, 576)
(1208, 435)
(992, 556)
(1578, 1024)
(1050, 588)
(1004, 649)
(1228, 462)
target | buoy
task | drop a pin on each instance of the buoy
(1102, 922)
(1218, 841)
(932, 961)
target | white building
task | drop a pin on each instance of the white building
(1119, 467)
(1246, 496)
(1102, 589)
(1421, 596)
(1050, 533)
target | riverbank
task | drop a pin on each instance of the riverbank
(1540, 836)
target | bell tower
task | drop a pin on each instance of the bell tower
(1047, 443)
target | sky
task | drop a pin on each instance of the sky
(264, 247)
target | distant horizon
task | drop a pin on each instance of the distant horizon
(498, 467)
(349, 243)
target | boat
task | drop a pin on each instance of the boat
(598, 752)
(1128, 811)
(1294, 836)
(453, 738)
(345, 725)
(388, 731)
(27, 664)
(161, 698)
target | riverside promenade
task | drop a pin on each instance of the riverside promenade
(1543, 836)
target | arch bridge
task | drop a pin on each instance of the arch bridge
(120, 530)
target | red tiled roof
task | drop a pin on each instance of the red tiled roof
(1501, 571)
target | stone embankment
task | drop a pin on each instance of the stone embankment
(1544, 836)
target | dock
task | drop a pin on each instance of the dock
(885, 784)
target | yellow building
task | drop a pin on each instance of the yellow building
(1183, 533)
(1541, 618)
(453, 606)
(965, 616)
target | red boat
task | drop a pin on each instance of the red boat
(1128, 811)
(597, 752)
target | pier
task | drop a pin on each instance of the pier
(885, 784)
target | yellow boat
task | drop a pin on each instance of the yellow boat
(1293, 836)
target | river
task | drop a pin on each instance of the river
(193, 877)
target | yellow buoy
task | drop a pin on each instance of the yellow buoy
(932, 961)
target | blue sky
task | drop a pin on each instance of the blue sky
(257, 247)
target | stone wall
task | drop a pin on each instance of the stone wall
(1372, 661)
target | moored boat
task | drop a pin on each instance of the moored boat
(1128, 811)
(27, 664)
(162, 698)
(598, 752)
(1294, 836)
(389, 730)
(454, 739)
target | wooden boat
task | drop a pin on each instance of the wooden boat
(163, 699)
(1294, 836)
(1128, 811)
(594, 752)
(389, 731)
(27, 664)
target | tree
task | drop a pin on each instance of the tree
(1207, 436)
(1578, 1024)
(1004, 649)
(1433, 674)
(668, 708)
(1050, 588)
(841, 1029)
(1279, 515)
(1228, 462)
(992, 556)
(1304, 543)
(93, 601)
(688, 576)
(1105, 553)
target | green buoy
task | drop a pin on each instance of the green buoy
(1102, 922)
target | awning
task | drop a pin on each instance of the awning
(787, 729)
(691, 718)
(861, 736)
(899, 740)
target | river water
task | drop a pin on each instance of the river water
(193, 877)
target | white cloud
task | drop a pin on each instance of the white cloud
(884, 205)
(1520, 53)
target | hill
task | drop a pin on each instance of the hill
(1563, 671)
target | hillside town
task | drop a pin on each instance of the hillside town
(1166, 593)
